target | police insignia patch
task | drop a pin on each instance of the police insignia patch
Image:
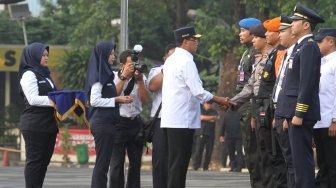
(266, 74)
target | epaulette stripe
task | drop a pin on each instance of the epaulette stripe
(305, 109)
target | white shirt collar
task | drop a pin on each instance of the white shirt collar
(330, 56)
(305, 36)
(186, 52)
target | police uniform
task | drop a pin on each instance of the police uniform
(325, 144)
(299, 97)
(248, 137)
(260, 85)
(281, 135)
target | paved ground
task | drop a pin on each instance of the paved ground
(59, 177)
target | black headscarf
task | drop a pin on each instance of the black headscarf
(98, 69)
(31, 60)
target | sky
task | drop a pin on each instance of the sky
(34, 7)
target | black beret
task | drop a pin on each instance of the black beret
(258, 30)
(285, 22)
(323, 32)
(303, 13)
(185, 32)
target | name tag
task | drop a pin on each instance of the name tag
(109, 84)
(43, 81)
(241, 76)
(290, 63)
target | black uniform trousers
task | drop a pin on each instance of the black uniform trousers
(326, 158)
(300, 138)
(39, 149)
(272, 169)
(103, 147)
(252, 156)
(284, 153)
(235, 146)
(224, 153)
(180, 142)
(128, 140)
(159, 157)
(203, 142)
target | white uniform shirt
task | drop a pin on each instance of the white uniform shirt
(282, 72)
(157, 96)
(327, 91)
(96, 99)
(131, 110)
(29, 87)
(182, 92)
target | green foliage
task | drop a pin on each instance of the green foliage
(74, 68)
(10, 30)
(9, 120)
(66, 145)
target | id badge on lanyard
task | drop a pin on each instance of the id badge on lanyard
(241, 76)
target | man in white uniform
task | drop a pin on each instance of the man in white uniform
(325, 129)
(182, 94)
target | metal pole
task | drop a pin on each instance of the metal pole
(24, 31)
(124, 25)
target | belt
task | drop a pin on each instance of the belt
(130, 118)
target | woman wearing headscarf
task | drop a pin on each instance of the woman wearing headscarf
(37, 124)
(104, 112)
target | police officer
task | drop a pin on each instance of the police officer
(280, 125)
(325, 130)
(244, 73)
(298, 101)
(260, 85)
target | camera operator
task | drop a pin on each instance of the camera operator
(129, 132)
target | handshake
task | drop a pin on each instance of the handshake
(224, 102)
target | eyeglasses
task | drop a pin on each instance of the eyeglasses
(193, 39)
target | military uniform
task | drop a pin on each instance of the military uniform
(248, 137)
(299, 97)
(260, 85)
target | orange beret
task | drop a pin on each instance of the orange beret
(272, 25)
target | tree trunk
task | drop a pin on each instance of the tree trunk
(181, 13)
(226, 87)
(239, 7)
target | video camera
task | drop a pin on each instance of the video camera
(135, 58)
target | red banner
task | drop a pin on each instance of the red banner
(77, 136)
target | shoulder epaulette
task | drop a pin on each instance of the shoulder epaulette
(157, 65)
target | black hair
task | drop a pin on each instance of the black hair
(169, 47)
(123, 56)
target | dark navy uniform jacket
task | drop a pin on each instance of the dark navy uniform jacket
(300, 94)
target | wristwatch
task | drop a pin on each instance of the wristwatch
(333, 120)
(122, 78)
